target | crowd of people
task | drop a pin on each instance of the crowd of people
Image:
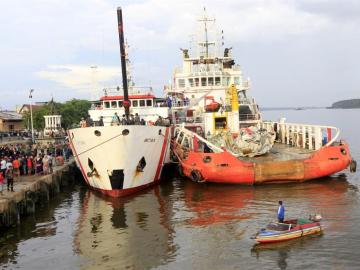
(116, 120)
(25, 159)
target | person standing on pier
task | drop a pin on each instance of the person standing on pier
(29, 164)
(3, 165)
(10, 178)
(281, 212)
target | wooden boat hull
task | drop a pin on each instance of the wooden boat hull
(225, 168)
(296, 232)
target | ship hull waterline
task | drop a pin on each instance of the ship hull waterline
(225, 168)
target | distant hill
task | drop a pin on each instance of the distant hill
(346, 104)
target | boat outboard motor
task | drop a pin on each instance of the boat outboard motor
(316, 217)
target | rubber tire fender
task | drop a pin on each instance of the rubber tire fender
(196, 176)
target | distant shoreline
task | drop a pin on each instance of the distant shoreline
(346, 104)
(290, 108)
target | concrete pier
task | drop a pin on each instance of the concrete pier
(32, 191)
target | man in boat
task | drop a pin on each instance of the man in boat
(281, 212)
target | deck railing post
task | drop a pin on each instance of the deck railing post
(310, 132)
(318, 138)
(303, 137)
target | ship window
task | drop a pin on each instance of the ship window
(191, 82)
(181, 83)
(236, 80)
(135, 103)
(210, 81)
(149, 102)
(142, 103)
(107, 104)
(203, 81)
(120, 104)
(217, 81)
(113, 104)
(196, 81)
(220, 122)
(226, 81)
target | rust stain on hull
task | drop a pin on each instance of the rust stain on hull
(290, 170)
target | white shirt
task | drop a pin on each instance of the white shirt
(3, 164)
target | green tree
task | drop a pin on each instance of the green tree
(71, 112)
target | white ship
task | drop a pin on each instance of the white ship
(207, 72)
(119, 160)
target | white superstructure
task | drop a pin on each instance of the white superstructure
(207, 71)
(142, 102)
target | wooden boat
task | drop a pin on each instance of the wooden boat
(290, 229)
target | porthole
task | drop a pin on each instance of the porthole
(125, 132)
(97, 133)
(207, 159)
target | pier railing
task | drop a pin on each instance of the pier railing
(311, 137)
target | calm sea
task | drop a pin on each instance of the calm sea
(183, 225)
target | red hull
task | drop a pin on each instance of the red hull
(123, 192)
(225, 168)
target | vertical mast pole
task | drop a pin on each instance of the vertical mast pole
(123, 62)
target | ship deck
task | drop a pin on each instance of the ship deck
(281, 152)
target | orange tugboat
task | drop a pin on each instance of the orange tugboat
(220, 137)
(301, 152)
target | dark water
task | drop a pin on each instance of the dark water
(183, 225)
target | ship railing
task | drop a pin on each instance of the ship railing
(247, 101)
(185, 138)
(180, 103)
(133, 90)
(312, 137)
(246, 117)
(189, 120)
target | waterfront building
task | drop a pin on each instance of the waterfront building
(10, 121)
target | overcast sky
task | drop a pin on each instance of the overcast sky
(297, 53)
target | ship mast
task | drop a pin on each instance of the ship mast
(123, 62)
(206, 44)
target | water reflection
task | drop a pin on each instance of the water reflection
(43, 224)
(132, 232)
(281, 252)
(212, 204)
